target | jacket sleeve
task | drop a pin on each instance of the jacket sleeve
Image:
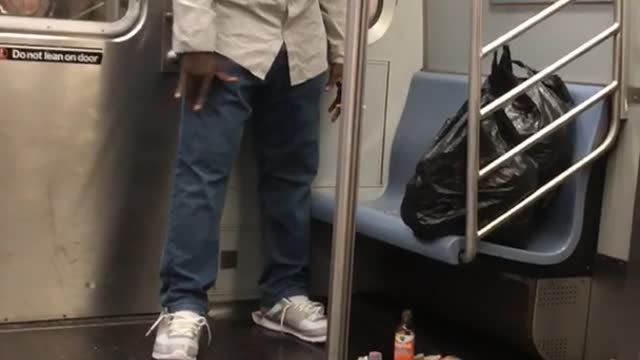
(334, 14)
(194, 26)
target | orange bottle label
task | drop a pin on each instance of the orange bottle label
(404, 347)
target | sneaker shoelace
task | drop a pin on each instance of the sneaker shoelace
(313, 310)
(183, 325)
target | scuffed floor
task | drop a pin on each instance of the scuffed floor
(234, 337)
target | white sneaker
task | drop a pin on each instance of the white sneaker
(297, 316)
(178, 335)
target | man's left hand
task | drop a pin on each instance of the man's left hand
(335, 80)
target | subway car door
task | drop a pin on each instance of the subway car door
(87, 134)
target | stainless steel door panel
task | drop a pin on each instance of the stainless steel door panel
(85, 158)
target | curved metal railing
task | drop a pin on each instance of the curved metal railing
(477, 113)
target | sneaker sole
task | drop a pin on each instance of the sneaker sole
(178, 355)
(270, 325)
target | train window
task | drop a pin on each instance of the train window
(375, 9)
(88, 10)
(380, 17)
(70, 17)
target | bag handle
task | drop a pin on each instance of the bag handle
(506, 61)
(531, 71)
(502, 78)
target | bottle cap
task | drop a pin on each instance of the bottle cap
(374, 355)
(407, 316)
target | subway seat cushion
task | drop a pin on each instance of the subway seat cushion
(432, 98)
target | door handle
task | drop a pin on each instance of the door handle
(169, 61)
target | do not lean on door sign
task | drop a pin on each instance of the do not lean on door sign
(51, 55)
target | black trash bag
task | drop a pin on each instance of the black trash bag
(434, 202)
(538, 107)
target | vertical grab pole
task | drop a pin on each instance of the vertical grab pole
(347, 187)
(619, 103)
(623, 10)
(473, 131)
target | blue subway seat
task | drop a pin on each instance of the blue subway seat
(432, 98)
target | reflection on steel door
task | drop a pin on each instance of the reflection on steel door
(86, 146)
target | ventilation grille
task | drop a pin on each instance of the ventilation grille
(555, 348)
(560, 317)
(557, 295)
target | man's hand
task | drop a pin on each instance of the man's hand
(335, 76)
(197, 72)
(335, 80)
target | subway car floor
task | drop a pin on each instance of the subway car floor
(235, 337)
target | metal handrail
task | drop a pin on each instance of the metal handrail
(525, 26)
(562, 62)
(547, 130)
(614, 129)
(476, 114)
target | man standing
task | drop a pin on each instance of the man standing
(247, 60)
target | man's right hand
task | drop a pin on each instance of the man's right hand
(197, 72)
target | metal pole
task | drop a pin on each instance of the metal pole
(549, 129)
(618, 51)
(624, 58)
(527, 25)
(617, 107)
(605, 146)
(347, 187)
(503, 100)
(473, 131)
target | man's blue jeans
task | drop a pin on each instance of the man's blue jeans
(285, 119)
